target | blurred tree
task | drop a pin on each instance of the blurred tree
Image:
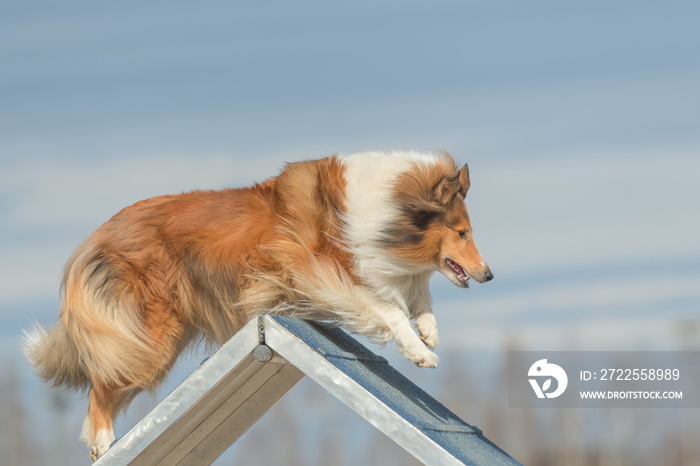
(333, 445)
(17, 448)
(382, 451)
(275, 439)
(59, 409)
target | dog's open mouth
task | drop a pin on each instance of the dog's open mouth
(461, 275)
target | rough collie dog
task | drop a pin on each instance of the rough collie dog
(350, 239)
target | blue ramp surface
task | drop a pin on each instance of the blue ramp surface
(464, 442)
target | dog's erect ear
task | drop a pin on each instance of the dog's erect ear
(464, 180)
(446, 189)
(449, 186)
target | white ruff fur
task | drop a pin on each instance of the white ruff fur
(401, 288)
(371, 210)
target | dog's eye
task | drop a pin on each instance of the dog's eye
(462, 234)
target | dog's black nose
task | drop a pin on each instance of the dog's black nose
(488, 275)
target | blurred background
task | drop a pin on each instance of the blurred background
(579, 121)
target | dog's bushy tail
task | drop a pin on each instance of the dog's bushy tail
(55, 357)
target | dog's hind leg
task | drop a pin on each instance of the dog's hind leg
(119, 375)
(97, 428)
(105, 401)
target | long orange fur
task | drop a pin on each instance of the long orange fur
(170, 270)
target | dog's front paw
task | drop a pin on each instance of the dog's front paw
(427, 329)
(424, 358)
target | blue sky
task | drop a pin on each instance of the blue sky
(579, 121)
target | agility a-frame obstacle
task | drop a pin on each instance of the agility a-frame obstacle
(233, 388)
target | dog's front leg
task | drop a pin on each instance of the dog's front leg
(427, 327)
(409, 344)
(362, 311)
(383, 320)
(422, 312)
(399, 327)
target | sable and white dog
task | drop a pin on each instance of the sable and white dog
(352, 239)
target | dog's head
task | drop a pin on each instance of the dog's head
(458, 258)
(434, 228)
